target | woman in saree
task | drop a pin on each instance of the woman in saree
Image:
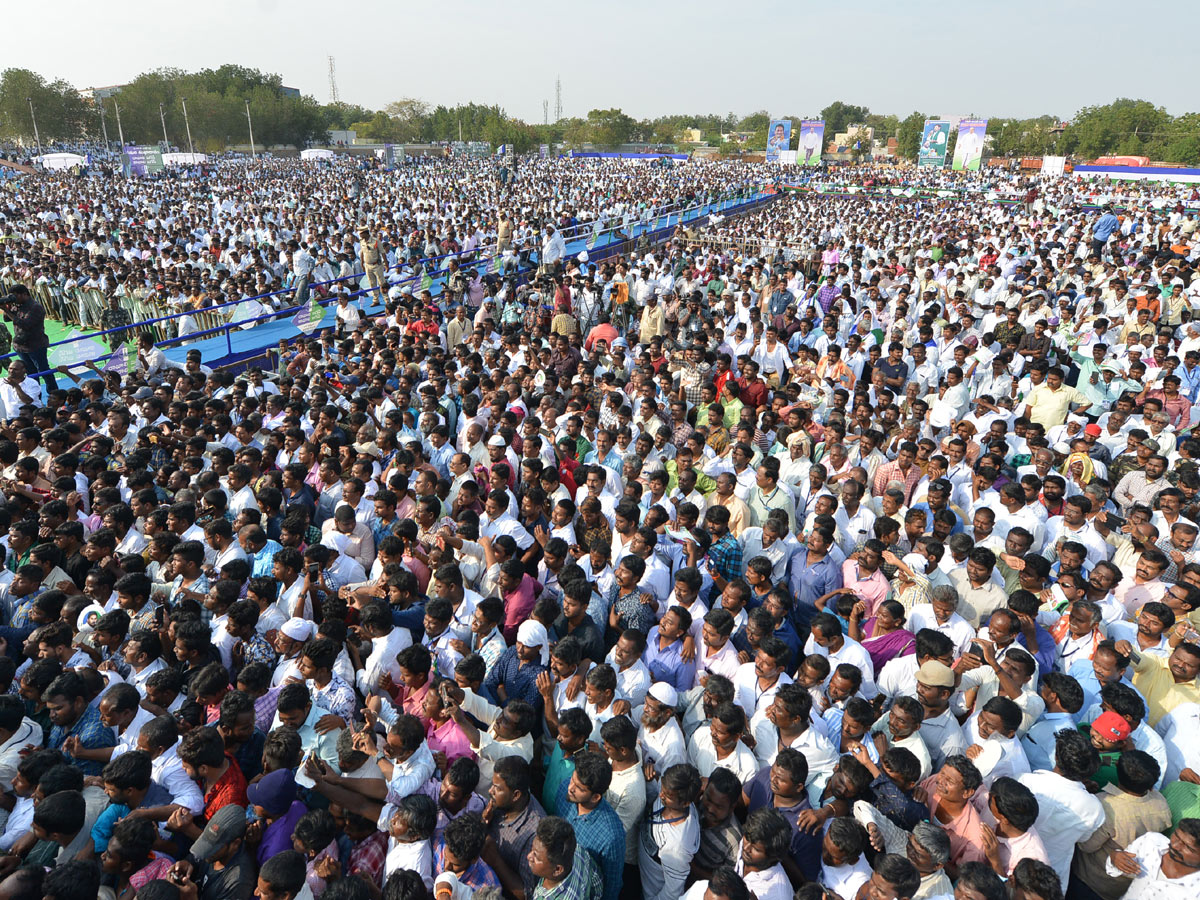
(883, 635)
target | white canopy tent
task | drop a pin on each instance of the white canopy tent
(317, 153)
(60, 160)
(184, 159)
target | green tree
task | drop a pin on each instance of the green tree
(908, 135)
(609, 127)
(61, 112)
(1124, 126)
(340, 116)
(838, 115)
(885, 126)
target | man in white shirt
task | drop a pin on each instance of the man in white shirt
(1168, 868)
(17, 389)
(375, 623)
(1067, 813)
(828, 640)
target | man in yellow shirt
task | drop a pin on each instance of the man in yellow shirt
(653, 323)
(1049, 402)
(1165, 683)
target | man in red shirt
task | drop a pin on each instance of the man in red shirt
(202, 752)
(753, 389)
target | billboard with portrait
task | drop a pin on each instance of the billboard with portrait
(968, 151)
(934, 141)
(779, 138)
(812, 141)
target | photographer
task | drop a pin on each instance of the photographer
(29, 331)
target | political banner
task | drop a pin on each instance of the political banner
(597, 229)
(543, 150)
(310, 315)
(144, 160)
(968, 152)
(779, 138)
(123, 361)
(934, 141)
(75, 350)
(812, 141)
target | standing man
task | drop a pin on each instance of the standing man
(29, 332)
(1103, 230)
(373, 262)
(302, 266)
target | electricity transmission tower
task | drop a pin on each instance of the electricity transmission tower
(333, 91)
(545, 112)
(557, 99)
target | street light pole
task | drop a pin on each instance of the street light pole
(250, 123)
(104, 128)
(163, 118)
(186, 124)
(33, 116)
(120, 131)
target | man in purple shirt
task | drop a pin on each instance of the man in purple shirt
(827, 294)
(664, 650)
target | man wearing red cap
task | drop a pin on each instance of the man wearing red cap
(1096, 450)
(1110, 736)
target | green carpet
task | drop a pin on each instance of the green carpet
(69, 354)
(56, 331)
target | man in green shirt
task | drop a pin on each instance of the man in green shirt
(574, 728)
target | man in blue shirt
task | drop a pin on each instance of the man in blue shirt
(75, 724)
(664, 650)
(1103, 230)
(1107, 666)
(597, 827)
(814, 574)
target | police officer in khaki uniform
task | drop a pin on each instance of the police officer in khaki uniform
(504, 233)
(374, 262)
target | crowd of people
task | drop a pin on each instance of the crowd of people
(842, 550)
(239, 235)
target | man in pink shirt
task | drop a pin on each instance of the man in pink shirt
(861, 574)
(519, 592)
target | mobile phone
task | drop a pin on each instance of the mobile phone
(976, 649)
(1114, 522)
(444, 690)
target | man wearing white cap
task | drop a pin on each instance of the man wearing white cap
(289, 642)
(514, 676)
(660, 736)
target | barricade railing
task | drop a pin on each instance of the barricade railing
(84, 306)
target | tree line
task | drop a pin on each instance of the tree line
(216, 101)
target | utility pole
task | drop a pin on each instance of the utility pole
(33, 116)
(120, 132)
(545, 112)
(162, 117)
(104, 128)
(187, 125)
(253, 155)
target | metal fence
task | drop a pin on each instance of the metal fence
(83, 307)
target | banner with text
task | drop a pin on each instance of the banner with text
(779, 138)
(968, 151)
(812, 142)
(934, 141)
(142, 160)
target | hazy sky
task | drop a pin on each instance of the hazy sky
(1017, 58)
